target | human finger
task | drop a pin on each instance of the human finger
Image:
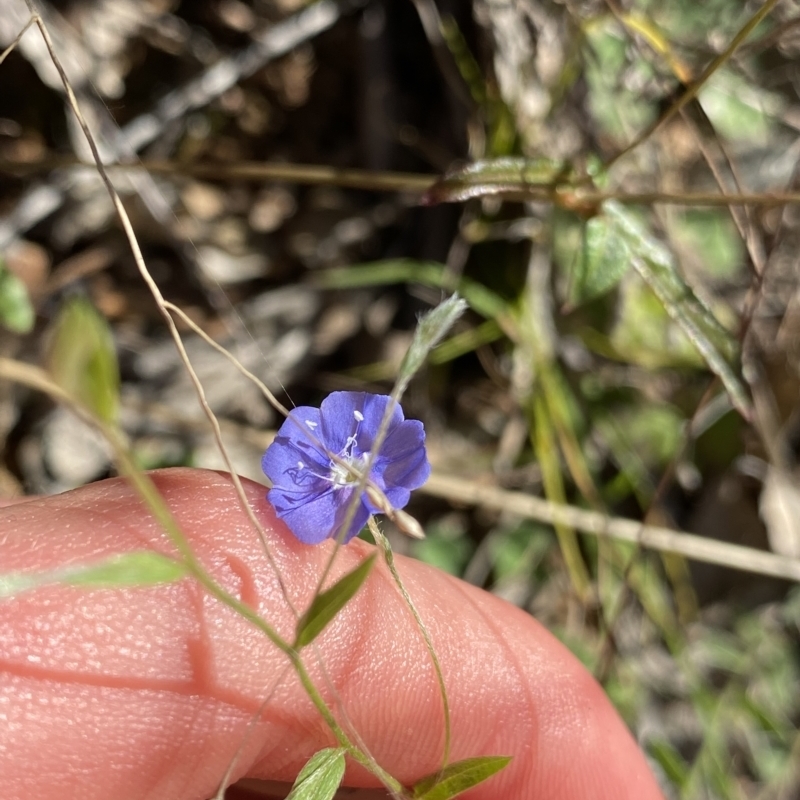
(151, 692)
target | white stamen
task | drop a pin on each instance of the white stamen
(311, 424)
(300, 465)
(340, 475)
(358, 415)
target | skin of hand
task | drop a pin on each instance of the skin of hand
(151, 692)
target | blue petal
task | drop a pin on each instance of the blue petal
(373, 408)
(403, 461)
(360, 517)
(403, 440)
(337, 413)
(310, 518)
(293, 445)
(314, 518)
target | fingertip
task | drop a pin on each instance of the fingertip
(163, 683)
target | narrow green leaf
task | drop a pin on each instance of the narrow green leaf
(543, 436)
(16, 311)
(671, 761)
(330, 602)
(82, 358)
(430, 330)
(656, 266)
(139, 568)
(406, 270)
(510, 175)
(320, 777)
(600, 263)
(466, 341)
(459, 777)
(501, 130)
(16, 583)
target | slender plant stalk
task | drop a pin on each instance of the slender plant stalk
(5, 54)
(187, 320)
(564, 194)
(698, 548)
(157, 296)
(388, 555)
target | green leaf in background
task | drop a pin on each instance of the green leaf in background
(445, 545)
(139, 568)
(642, 438)
(459, 777)
(16, 311)
(656, 266)
(510, 175)
(670, 760)
(407, 270)
(501, 133)
(600, 262)
(466, 341)
(709, 238)
(643, 333)
(82, 358)
(612, 67)
(517, 551)
(739, 110)
(330, 602)
(320, 777)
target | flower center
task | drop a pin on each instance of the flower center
(341, 476)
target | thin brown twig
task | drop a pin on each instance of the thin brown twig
(4, 55)
(412, 183)
(188, 321)
(158, 297)
(666, 540)
(315, 174)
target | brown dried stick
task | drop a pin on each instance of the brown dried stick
(698, 548)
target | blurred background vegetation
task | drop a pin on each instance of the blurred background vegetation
(632, 341)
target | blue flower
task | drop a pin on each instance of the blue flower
(312, 493)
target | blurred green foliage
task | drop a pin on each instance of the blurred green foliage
(643, 301)
(16, 312)
(82, 357)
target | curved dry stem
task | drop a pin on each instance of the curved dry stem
(5, 54)
(157, 296)
(270, 397)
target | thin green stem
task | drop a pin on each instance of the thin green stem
(388, 555)
(357, 755)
